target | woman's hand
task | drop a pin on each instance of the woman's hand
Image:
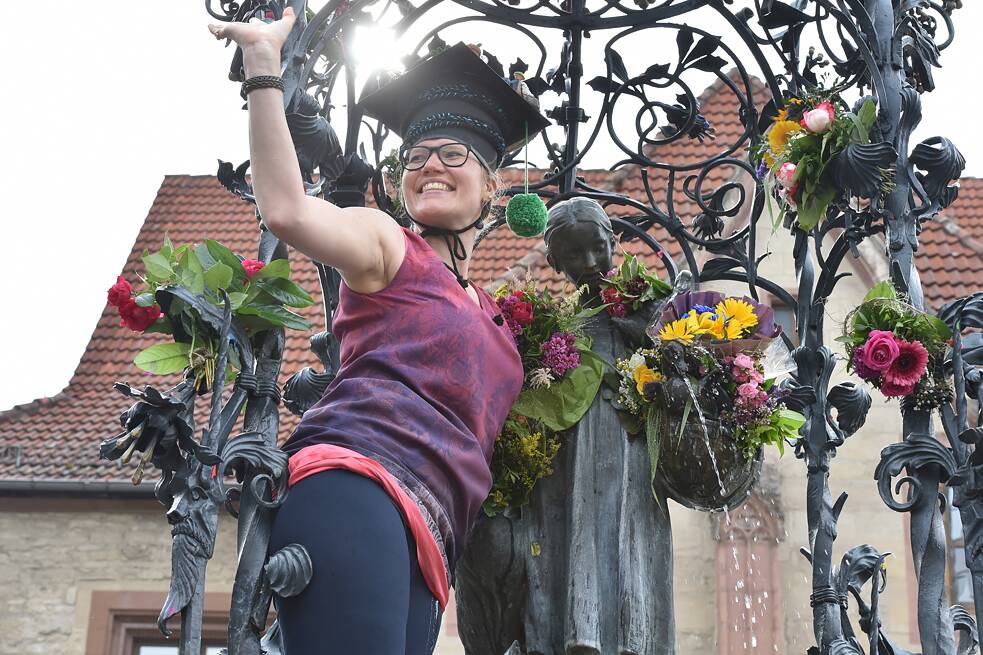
(256, 33)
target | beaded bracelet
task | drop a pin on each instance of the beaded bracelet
(260, 82)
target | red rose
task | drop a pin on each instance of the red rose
(119, 293)
(138, 318)
(252, 267)
(522, 313)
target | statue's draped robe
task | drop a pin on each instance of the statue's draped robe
(601, 582)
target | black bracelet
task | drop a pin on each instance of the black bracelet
(260, 82)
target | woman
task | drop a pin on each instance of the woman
(389, 469)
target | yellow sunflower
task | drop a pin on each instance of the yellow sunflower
(779, 134)
(702, 323)
(644, 375)
(782, 116)
(735, 329)
(740, 314)
(681, 330)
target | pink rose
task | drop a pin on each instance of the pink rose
(744, 361)
(819, 119)
(748, 390)
(880, 351)
(785, 174)
(892, 390)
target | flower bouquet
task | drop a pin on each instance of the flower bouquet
(181, 296)
(562, 376)
(705, 397)
(626, 288)
(898, 349)
(814, 150)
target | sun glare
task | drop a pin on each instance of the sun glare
(373, 49)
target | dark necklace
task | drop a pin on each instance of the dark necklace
(457, 249)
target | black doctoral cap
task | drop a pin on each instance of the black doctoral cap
(455, 95)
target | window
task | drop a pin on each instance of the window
(960, 578)
(172, 650)
(785, 317)
(125, 623)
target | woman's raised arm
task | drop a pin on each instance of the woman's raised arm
(354, 240)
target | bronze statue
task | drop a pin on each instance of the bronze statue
(586, 567)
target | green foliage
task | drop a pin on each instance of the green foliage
(631, 276)
(882, 309)
(523, 455)
(206, 270)
(783, 424)
(164, 358)
(812, 153)
(563, 403)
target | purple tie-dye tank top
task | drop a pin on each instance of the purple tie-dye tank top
(426, 381)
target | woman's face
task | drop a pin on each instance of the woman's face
(445, 196)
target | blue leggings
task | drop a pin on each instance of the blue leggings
(367, 595)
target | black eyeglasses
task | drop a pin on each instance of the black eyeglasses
(452, 155)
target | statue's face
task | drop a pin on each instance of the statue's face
(583, 252)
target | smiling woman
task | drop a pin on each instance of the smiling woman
(389, 469)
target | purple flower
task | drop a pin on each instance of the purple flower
(861, 368)
(560, 353)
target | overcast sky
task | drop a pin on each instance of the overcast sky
(100, 103)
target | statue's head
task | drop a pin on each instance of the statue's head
(580, 241)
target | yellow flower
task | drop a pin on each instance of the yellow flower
(681, 330)
(795, 101)
(644, 375)
(769, 160)
(501, 292)
(704, 323)
(739, 310)
(782, 116)
(779, 133)
(735, 329)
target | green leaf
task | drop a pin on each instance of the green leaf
(144, 299)
(158, 266)
(565, 402)
(204, 257)
(285, 291)
(653, 437)
(881, 290)
(164, 358)
(192, 275)
(276, 316)
(167, 250)
(939, 330)
(278, 268)
(867, 115)
(219, 276)
(237, 298)
(813, 207)
(222, 254)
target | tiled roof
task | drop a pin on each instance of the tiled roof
(950, 260)
(57, 438)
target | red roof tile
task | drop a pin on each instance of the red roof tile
(950, 259)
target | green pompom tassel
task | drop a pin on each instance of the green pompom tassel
(526, 215)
